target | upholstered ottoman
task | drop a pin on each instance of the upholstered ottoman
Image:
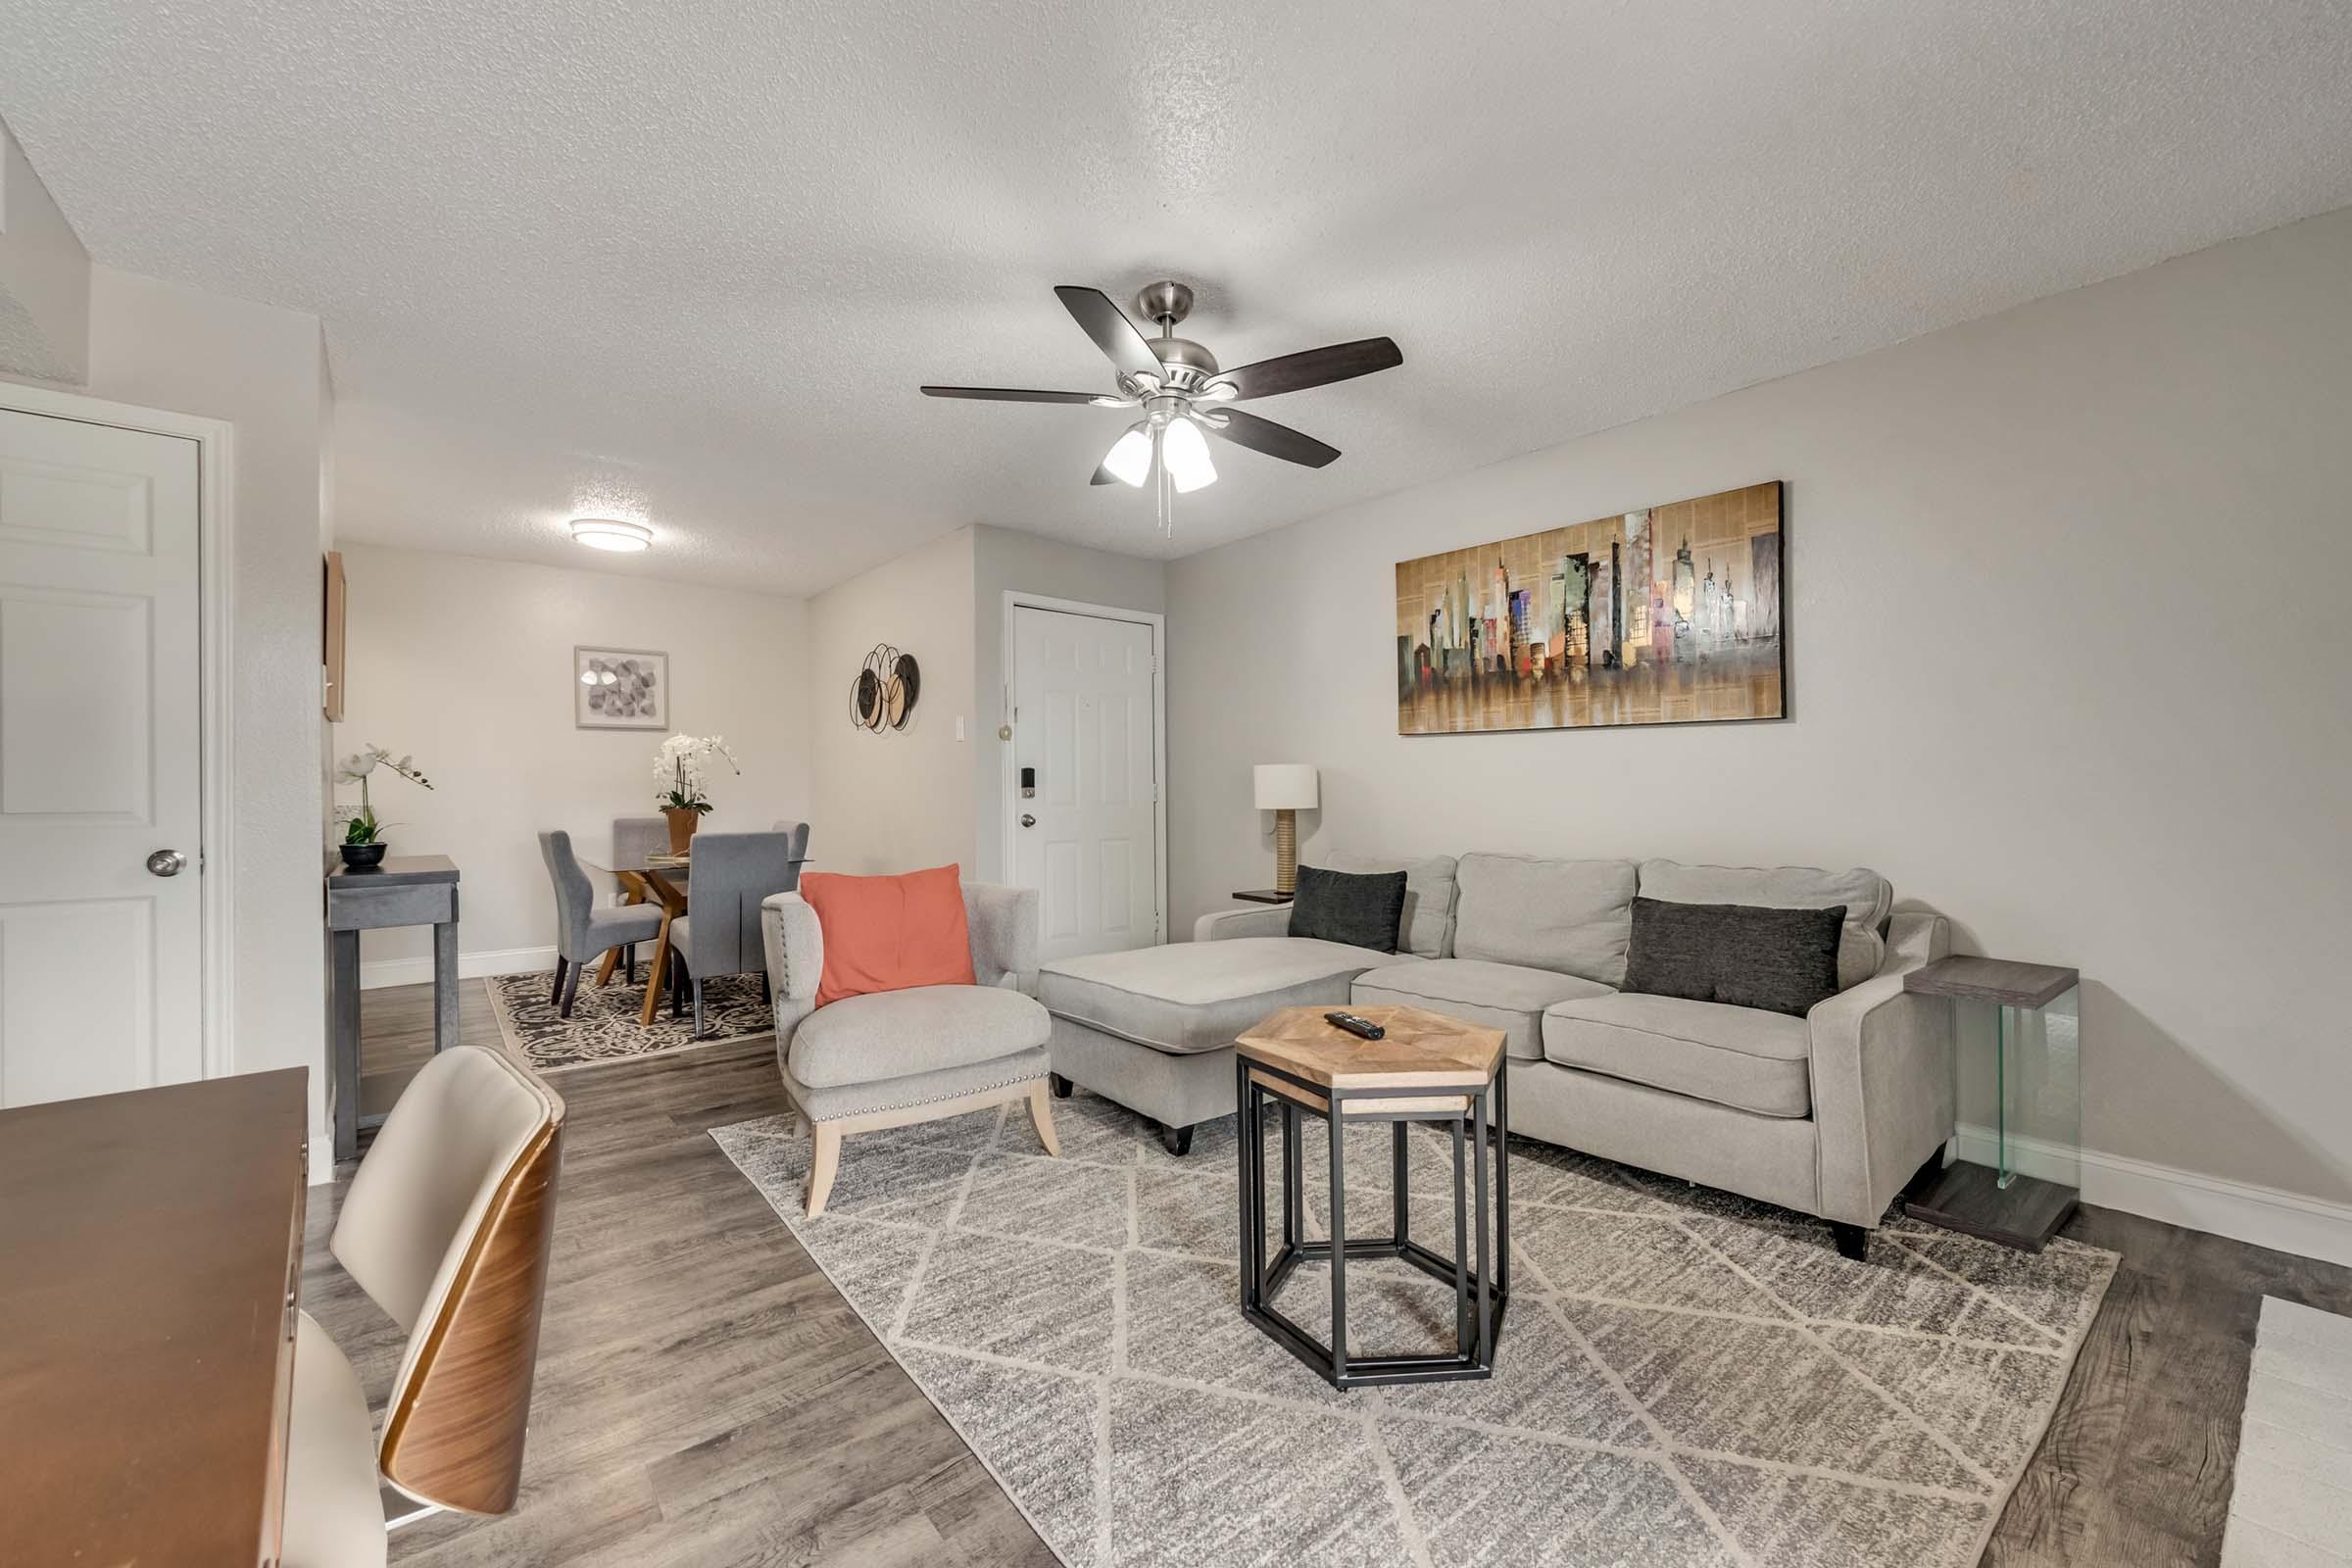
(1154, 1028)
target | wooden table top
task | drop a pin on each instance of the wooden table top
(1421, 1051)
(395, 871)
(151, 1241)
(1999, 980)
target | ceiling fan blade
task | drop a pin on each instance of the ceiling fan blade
(1001, 394)
(1112, 332)
(1340, 361)
(1274, 440)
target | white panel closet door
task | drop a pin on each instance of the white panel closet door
(101, 960)
(1084, 719)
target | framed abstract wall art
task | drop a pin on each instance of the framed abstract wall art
(619, 688)
(1667, 616)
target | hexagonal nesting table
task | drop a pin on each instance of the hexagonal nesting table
(1429, 1069)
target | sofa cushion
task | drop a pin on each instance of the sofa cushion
(1426, 927)
(1572, 917)
(1782, 961)
(1737, 1056)
(1499, 996)
(1868, 897)
(1354, 908)
(1198, 995)
(894, 1034)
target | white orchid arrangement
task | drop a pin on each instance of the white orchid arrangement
(680, 766)
(361, 826)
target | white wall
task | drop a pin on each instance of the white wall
(2067, 662)
(466, 663)
(44, 277)
(898, 800)
(167, 346)
(1030, 564)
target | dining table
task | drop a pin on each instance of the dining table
(149, 1271)
(653, 878)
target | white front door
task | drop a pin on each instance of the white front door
(101, 959)
(1084, 737)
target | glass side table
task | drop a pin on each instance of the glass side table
(2034, 1098)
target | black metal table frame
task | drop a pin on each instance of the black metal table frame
(1479, 1295)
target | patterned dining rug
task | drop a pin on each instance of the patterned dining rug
(1683, 1377)
(604, 1027)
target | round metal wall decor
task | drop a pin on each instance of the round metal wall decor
(882, 697)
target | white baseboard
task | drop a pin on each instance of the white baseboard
(470, 967)
(2262, 1216)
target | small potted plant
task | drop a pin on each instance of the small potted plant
(680, 766)
(363, 834)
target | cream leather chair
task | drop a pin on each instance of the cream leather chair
(446, 1227)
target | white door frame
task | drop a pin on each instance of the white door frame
(216, 536)
(1009, 785)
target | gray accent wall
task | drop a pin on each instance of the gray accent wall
(2068, 662)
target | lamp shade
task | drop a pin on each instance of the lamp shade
(1285, 786)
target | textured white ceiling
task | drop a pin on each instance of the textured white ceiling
(690, 261)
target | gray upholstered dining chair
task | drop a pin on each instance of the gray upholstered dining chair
(584, 929)
(733, 872)
(634, 840)
(799, 842)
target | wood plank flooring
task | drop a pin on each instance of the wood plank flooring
(705, 1398)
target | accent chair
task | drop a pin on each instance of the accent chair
(891, 1058)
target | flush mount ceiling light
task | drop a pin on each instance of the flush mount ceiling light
(610, 534)
(1184, 396)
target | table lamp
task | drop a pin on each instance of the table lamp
(1285, 789)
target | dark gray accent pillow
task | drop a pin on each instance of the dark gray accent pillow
(1360, 910)
(1746, 955)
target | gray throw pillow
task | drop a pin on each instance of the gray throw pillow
(1359, 909)
(1744, 954)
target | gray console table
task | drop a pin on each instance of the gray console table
(406, 890)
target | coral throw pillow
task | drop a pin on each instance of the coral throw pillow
(890, 933)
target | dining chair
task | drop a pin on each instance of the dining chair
(446, 1227)
(584, 929)
(634, 840)
(733, 874)
(799, 847)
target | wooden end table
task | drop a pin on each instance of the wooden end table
(2038, 1096)
(1430, 1068)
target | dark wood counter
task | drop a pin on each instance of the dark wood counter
(150, 1252)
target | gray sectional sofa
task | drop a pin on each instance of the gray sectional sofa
(1831, 1113)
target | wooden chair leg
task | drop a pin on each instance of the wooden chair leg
(824, 1160)
(555, 995)
(1040, 1116)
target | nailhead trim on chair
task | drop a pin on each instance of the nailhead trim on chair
(928, 1100)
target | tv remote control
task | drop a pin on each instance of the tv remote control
(1362, 1027)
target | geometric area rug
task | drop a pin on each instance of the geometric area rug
(1683, 1377)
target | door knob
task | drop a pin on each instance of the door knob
(166, 863)
(1027, 821)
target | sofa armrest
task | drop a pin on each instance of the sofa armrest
(795, 945)
(1882, 1077)
(1003, 923)
(1259, 920)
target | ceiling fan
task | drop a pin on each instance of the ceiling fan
(1182, 394)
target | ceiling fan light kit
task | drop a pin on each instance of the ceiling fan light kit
(1182, 393)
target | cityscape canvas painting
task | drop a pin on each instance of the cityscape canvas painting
(1667, 616)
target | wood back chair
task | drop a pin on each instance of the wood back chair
(447, 1226)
